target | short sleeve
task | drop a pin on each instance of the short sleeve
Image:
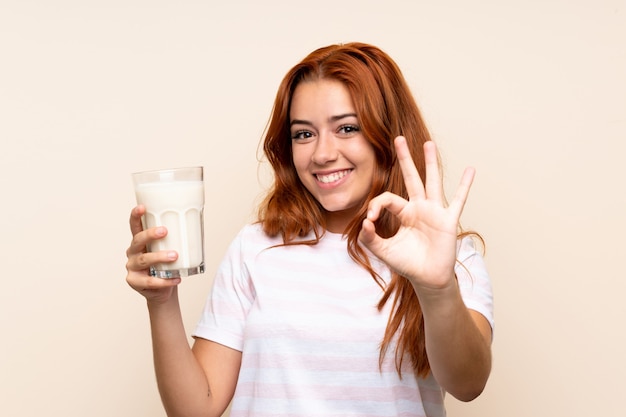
(224, 315)
(474, 281)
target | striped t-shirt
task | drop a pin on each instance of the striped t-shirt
(306, 321)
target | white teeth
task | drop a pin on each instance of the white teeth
(335, 176)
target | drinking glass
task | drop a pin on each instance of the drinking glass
(174, 198)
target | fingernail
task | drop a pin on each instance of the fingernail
(160, 231)
(171, 255)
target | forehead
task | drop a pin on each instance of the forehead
(321, 96)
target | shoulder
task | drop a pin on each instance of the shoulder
(473, 279)
(252, 238)
(253, 232)
(470, 268)
(467, 248)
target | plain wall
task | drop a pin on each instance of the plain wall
(533, 94)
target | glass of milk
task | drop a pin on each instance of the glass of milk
(174, 198)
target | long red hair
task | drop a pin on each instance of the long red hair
(385, 108)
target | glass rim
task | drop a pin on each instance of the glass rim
(154, 171)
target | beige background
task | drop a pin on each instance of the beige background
(533, 94)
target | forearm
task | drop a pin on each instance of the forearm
(181, 380)
(458, 348)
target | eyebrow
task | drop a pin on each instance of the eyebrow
(331, 119)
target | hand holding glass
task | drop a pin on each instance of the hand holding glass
(174, 198)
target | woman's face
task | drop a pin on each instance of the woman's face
(333, 159)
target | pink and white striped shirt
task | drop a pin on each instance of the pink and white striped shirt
(306, 322)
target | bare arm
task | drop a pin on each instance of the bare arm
(192, 382)
(458, 342)
(198, 382)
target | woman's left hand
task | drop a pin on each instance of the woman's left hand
(424, 248)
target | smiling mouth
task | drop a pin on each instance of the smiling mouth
(335, 176)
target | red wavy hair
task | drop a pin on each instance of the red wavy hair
(385, 108)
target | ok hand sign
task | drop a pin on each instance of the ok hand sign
(424, 248)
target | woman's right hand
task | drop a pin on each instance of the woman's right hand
(156, 290)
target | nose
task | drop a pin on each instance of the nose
(325, 149)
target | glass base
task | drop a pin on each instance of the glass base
(177, 273)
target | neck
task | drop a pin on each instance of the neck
(338, 221)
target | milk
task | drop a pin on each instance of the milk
(177, 205)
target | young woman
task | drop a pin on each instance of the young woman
(356, 292)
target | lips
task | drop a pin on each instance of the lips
(332, 177)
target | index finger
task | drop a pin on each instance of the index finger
(412, 179)
(135, 219)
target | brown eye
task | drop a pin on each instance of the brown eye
(301, 135)
(348, 129)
